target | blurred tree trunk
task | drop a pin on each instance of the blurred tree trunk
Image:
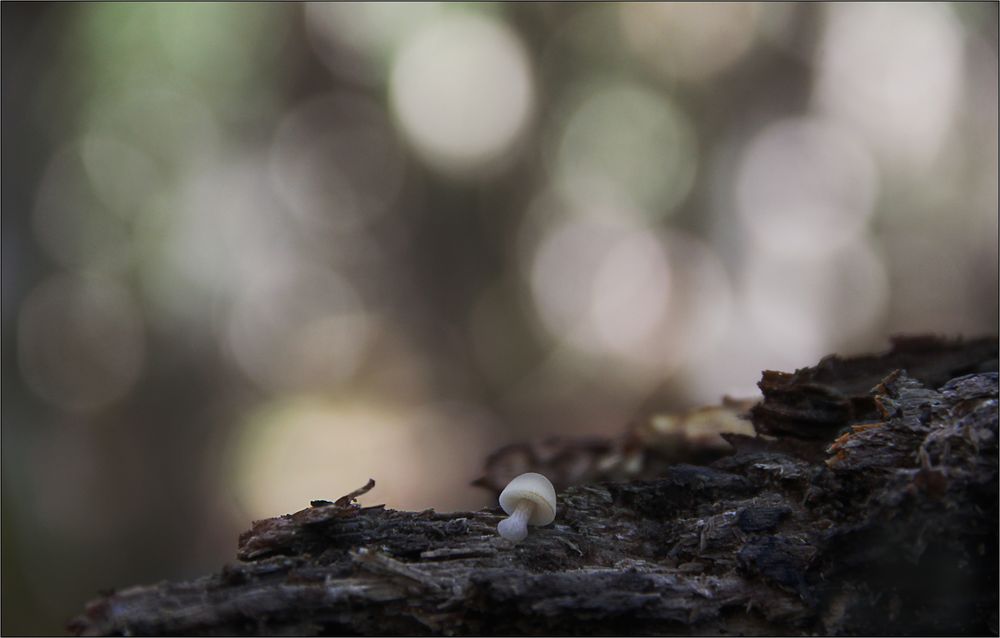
(866, 510)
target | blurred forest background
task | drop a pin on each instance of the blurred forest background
(256, 254)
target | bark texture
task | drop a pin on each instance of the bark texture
(872, 509)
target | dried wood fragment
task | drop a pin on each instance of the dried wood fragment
(644, 450)
(816, 402)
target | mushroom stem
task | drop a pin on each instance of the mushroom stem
(515, 527)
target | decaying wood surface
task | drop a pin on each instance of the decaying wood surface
(872, 510)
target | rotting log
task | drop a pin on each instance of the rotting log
(879, 519)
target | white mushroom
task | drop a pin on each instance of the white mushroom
(530, 499)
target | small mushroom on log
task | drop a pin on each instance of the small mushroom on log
(871, 508)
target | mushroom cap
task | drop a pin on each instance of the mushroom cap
(535, 488)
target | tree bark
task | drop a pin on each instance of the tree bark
(870, 507)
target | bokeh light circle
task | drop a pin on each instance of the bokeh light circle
(370, 31)
(815, 305)
(618, 289)
(81, 341)
(300, 328)
(86, 199)
(806, 185)
(628, 139)
(901, 97)
(462, 91)
(689, 40)
(295, 449)
(336, 164)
